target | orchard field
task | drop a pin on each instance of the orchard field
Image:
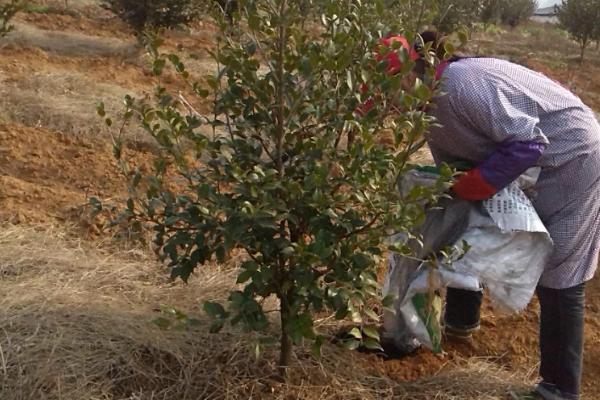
(78, 300)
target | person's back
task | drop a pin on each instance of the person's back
(487, 101)
(526, 102)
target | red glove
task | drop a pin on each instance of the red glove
(472, 186)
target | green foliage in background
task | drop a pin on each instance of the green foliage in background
(513, 12)
(284, 173)
(581, 18)
(7, 11)
(152, 14)
(449, 15)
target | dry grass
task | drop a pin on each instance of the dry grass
(73, 7)
(60, 92)
(69, 43)
(60, 97)
(532, 40)
(76, 325)
(64, 101)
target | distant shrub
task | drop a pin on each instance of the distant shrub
(513, 12)
(489, 11)
(228, 7)
(451, 14)
(7, 11)
(143, 14)
(580, 18)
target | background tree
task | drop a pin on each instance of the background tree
(289, 175)
(581, 18)
(513, 12)
(152, 14)
(489, 11)
(452, 14)
(7, 11)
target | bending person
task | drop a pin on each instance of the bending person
(504, 118)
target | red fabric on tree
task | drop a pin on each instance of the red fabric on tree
(472, 186)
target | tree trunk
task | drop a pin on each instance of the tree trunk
(285, 351)
(582, 53)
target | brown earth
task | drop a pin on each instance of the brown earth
(49, 170)
(49, 177)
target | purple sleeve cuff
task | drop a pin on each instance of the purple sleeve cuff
(509, 161)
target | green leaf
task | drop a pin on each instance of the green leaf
(244, 276)
(317, 346)
(216, 326)
(253, 22)
(287, 251)
(331, 214)
(193, 322)
(371, 332)
(202, 93)
(96, 204)
(250, 48)
(423, 92)
(449, 48)
(372, 344)
(355, 332)
(137, 177)
(214, 310)
(371, 314)
(361, 260)
(257, 351)
(463, 36)
(158, 65)
(351, 344)
(341, 313)
(100, 109)
(220, 254)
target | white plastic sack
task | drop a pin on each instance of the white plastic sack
(509, 247)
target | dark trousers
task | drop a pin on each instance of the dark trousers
(462, 308)
(561, 337)
(561, 331)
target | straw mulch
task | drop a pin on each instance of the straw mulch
(76, 325)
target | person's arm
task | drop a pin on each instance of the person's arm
(502, 167)
(507, 117)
